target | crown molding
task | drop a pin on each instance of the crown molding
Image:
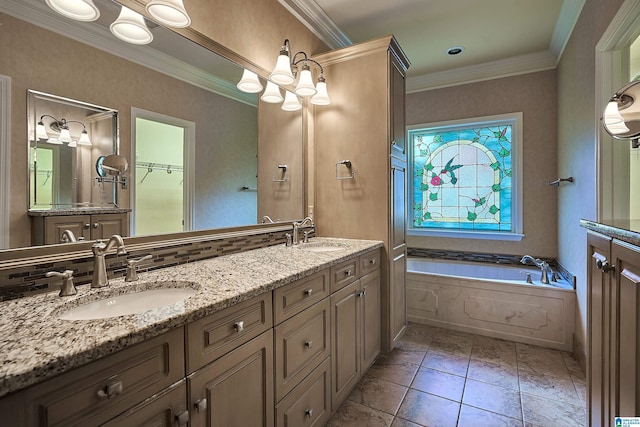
(569, 14)
(37, 13)
(317, 21)
(521, 64)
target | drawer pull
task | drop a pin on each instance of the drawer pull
(182, 418)
(347, 273)
(308, 344)
(109, 391)
(308, 292)
(308, 413)
(238, 326)
(200, 405)
(372, 261)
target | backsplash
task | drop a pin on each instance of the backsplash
(30, 279)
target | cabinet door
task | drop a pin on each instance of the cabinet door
(54, 226)
(237, 389)
(627, 273)
(166, 409)
(371, 334)
(397, 105)
(598, 324)
(104, 226)
(345, 325)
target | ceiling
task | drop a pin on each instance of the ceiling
(499, 37)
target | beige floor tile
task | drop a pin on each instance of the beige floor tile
(475, 417)
(378, 394)
(541, 360)
(402, 374)
(439, 383)
(398, 356)
(494, 350)
(399, 422)
(429, 410)
(492, 398)
(494, 373)
(544, 412)
(549, 387)
(453, 364)
(573, 367)
(351, 414)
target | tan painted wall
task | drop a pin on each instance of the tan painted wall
(535, 96)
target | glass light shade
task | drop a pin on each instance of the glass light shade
(272, 94)
(169, 12)
(291, 102)
(54, 140)
(249, 82)
(612, 115)
(80, 10)
(72, 144)
(65, 136)
(321, 97)
(41, 132)
(84, 139)
(131, 28)
(281, 73)
(618, 128)
(305, 85)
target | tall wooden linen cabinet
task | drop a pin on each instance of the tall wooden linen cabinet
(361, 162)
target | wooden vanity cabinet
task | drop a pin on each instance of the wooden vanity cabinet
(96, 393)
(613, 296)
(46, 230)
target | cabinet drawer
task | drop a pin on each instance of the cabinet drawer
(291, 299)
(221, 332)
(97, 392)
(301, 343)
(309, 403)
(343, 274)
(369, 262)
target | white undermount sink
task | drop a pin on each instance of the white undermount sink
(322, 246)
(130, 303)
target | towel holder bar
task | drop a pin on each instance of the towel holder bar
(347, 163)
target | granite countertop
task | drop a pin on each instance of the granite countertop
(78, 211)
(626, 230)
(35, 345)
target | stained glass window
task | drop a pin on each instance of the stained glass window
(463, 176)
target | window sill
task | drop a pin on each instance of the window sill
(456, 234)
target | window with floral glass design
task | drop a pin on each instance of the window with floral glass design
(465, 176)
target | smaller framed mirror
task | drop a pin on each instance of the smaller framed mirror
(66, 139)
(621, 118)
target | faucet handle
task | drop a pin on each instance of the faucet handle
(132, 264)
(68, 288)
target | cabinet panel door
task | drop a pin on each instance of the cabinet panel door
(398, 141)
(345, 325)
(106, 225)
(398, 295)
(371, 338)
(237, 389)
(55, 226)
(398, 205)
(627, 262)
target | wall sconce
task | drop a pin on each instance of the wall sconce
(249, 82)
(80, 10)
(291, 102)
(61, 126)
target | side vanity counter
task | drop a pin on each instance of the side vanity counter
(36, 345)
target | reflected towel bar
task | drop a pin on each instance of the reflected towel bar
(559, 180)
(347, 163)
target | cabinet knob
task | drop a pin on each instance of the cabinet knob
(308, 292)
(238, 326)
(109, 391)
(200, 405)
(372, 261)
(604, 266)
(308, 344)
(87, 226)
(182, 418)
(360, 294)
(95, 225)
(308, 413)
(347, 273)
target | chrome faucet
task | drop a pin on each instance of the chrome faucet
(545, 268)
(308, 222)
(267, 220)
(68, 237)
(99, 249)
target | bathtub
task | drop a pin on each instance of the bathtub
(491, 299)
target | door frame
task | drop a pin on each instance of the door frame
(189, 163)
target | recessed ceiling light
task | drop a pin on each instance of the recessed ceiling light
(456, 50)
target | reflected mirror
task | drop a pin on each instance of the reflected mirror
(621, 118)
(231, 173)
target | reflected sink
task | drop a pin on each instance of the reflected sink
(322, 246)
(131, 303)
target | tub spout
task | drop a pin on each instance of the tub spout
(544, 266)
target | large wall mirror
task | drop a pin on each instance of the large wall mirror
(230, 170)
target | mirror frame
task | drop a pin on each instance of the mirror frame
(624, 99)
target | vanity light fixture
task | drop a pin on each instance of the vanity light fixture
(272, 93)
(169, 12)
(62, 126)
(249, 82)
(131, 28)
(291, 102)
(80, 10)
(286, 71)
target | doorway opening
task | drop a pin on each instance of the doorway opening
(162, 153)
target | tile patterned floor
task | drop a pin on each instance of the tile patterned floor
(438, 377)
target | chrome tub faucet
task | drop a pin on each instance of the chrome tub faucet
(99, 249)
(546, 270)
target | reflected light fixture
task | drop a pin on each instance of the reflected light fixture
(131, 28)
(169, 12)
(272, 93)
(249, 82)
(61, 126)
(612, 114)
(80, 10)
(291, 102)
